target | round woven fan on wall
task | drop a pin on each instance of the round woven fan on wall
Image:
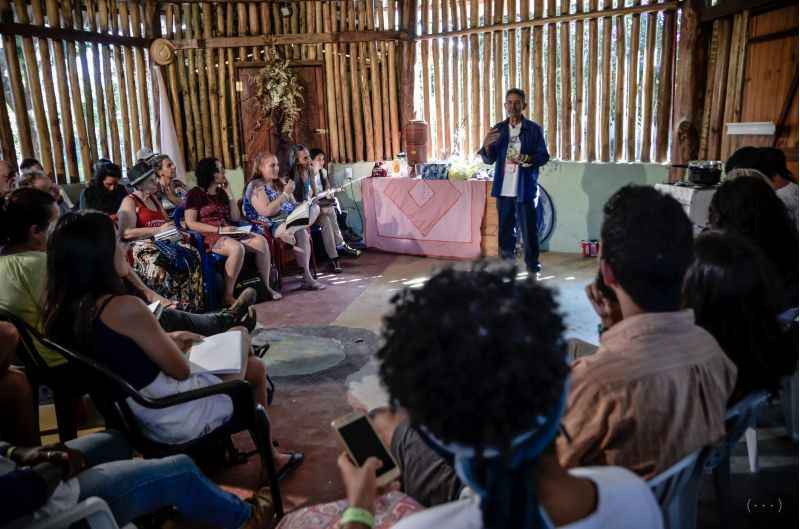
(162, 51)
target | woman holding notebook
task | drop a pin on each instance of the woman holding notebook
(141, 219)
(87, 308)
(210, 211)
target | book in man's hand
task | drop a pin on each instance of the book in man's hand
(233, 231)
(221, 354)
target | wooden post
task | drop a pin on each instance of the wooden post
(456, 98)
(447, 101)
(633, 87)
(605, 100)
(486, 83)
(141, 76)
(98, 81)
(537, 96)
(466, 116)
(190, 151)
(475, 78)
(330, 88)
(374, 71)
(382, 60)
(578, 151)
(34, 87)
(194, 84)
(665, 77)
(18, 94)
(647, 96)
(253, 23)
(211, 74)
(734, 83)
(343, 96)
(591, 91)
(619, 98)
(75, 94)
(174, 87)
(688, 87)
(366, 98)
(355, 89)
(202, 87)
(222, 92)
(425, 66)
(499, 93)
(57, 142)
(130, 77)
(7, 150)
(566, 89)
(119, 74)
(87, 85)
(234, 122)
(552, 112)
(267, 27)
(511, 12)
(347, 95)
(438, 147)
(525, 53)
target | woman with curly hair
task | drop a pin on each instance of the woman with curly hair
(749, 207)
(731, 288)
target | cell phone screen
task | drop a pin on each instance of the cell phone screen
(364, 443)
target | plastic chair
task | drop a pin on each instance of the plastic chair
(93, 511)
(740, 420)
(110, 393)
(677, 490)
(65, 395)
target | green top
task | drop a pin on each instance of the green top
(22, 290)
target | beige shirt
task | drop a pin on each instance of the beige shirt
(655, 391)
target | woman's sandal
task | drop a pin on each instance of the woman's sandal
(274, 295)
(314, 285)
(295, 460)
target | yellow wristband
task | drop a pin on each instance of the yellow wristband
(357, 515)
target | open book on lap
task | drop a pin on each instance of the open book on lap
(221, 354)
(233, 231)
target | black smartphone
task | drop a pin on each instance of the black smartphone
(362, 442)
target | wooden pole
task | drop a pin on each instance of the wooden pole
(525, 52)
(456, 98)
(499, 94)
(605, 100)
(486, 83)
(581, 82)
(425, 66)
(172, 76)
(663, 105)
(7, 150)
(264, 14)
(511, 12)
(330, 88)
(475, 78)
(57, 142)
(633, 87)
(222, 93)
(437, 84)
(87, 86)
(366, 96)
(343, 97)
(253, 23)
(647, 96)
(393, 108)
(688, 90)
(347, 96)
(34, 88)
(141, 76)
(537, 96)
(591, 91)
(466, 115)
(619, 84)
(735, 78)
(18, 95)
(447, 101)
(130, 77)
(117, 56)
(355, 89)
(75, 93)
(382, 60)
(234, 122)
(565, 148)
(190, 151)
(195, 74)
(202, 88)
(98, 81)
(211, 74)
(374, 67)
(552, 112)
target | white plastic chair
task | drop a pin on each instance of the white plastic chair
(94, 511)
(677, 489)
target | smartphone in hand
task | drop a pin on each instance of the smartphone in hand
(361, 441)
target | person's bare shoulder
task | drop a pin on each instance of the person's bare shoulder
(125, 312)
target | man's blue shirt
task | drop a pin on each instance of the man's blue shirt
(531, 143)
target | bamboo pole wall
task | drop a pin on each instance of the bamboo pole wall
(583, 65)
(594, 71)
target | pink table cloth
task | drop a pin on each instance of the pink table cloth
(435, 218)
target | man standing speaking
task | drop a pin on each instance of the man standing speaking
(517, 149)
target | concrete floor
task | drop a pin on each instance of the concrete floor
(360, 297)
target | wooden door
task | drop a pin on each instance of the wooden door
(258, 134)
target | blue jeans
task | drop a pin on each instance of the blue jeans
(518, 218)
(134, 488)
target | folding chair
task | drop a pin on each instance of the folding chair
(677, 490)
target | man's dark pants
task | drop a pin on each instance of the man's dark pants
(511, 213)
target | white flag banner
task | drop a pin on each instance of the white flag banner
(166, 126)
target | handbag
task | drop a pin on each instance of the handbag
(175, 257)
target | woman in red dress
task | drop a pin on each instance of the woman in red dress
(209, 208)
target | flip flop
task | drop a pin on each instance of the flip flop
(295, 460)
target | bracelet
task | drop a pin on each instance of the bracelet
(357, 515)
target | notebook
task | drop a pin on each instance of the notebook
(221, 354)
(236, 230)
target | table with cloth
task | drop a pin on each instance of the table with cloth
(433, 218)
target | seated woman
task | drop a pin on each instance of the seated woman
(749, 207)
(171, 192)
(141, 217)
(209, 208)
(104, 192)
(47, 480)
(87, 308)
(731, 288)
(334, 210)
(302, 172)
(268, 200)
